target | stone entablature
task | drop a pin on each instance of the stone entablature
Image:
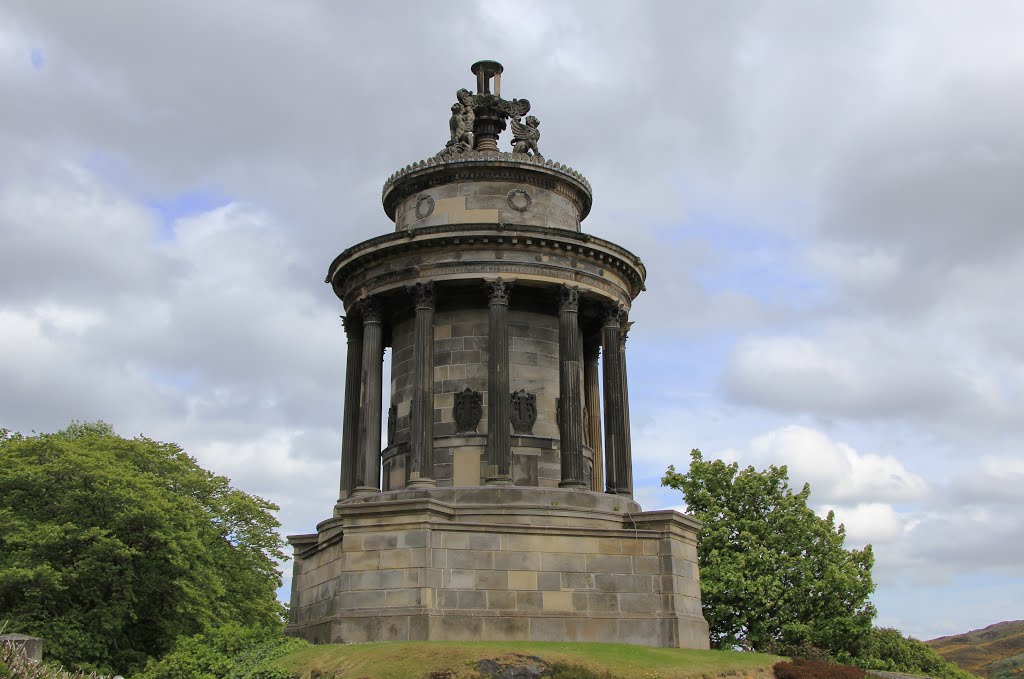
(561, 196)
(467, 251)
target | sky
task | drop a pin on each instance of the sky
(827, 197)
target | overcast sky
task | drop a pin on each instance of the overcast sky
(828, 198)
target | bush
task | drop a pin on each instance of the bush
(802, 668)
(888, 650)
(230, 652)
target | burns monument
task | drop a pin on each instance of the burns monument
(500, 504)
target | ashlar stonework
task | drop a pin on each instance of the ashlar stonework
(499, 504)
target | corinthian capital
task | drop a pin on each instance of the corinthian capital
(569, 298)
(613, 314)
(422, 294)
(353, 325)
(371, 311)
(498, 291)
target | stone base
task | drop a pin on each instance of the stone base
(501, 564)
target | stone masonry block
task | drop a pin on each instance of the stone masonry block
(557, 601)
(463, 579)
(396, 598)
(499, 600)
(529, 601)
(516, 561)
(469, 599)
(522, 580)
(358, 561)
(597, 601)
(380, 541)
(577, 580)
(640, 603)
(507, 628)
(492, 580)
(549, 581)
(563, 562)
(547, 629)
(607, 563)
(470, 558)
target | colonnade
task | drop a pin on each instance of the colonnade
(579, 412)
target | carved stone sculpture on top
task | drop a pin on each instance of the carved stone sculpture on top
(526, 137)
(461, 124)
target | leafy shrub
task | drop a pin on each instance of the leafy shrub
(802, 668)
(231, 652)
(888, 650)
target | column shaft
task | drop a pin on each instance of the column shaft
(570, 366)
(627, 435)
(614, 417)
(592, 391)
(499, 444)
(350, 423)
(368, 465)
(422, 425)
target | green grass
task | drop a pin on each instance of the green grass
(420, 659)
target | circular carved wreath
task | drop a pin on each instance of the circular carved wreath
(519, 200)
(424, 206)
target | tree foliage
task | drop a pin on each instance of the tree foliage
(112, 548)
(774, 575)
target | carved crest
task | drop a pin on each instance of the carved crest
(469, 407)
(392, 423)
(523, 412)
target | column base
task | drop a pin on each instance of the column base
(421, 483)
(363, 491)
(499, 481)
(572, 484)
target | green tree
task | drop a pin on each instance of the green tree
(112, 548)
(774, 575)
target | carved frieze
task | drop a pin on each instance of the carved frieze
(469, 408)
(523, 413)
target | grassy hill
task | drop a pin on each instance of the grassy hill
(478, 660)
(996, 652)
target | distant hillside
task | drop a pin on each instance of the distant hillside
(996, 652)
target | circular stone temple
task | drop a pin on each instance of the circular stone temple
(497, 502)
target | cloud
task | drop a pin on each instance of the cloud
(837, 472)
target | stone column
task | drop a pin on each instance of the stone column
(367, 477)
(592, 392)
(627, 436)
(499, 444)
(570, 364)
(614, 416)
(422, 426)
(353, 377)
